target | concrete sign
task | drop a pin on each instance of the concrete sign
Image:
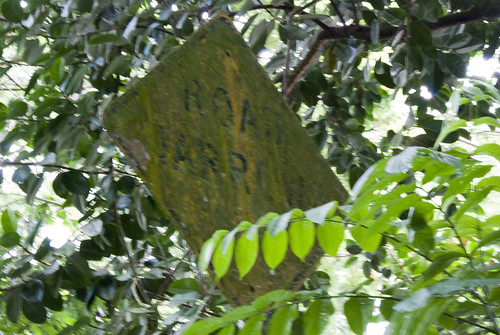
(216, 144)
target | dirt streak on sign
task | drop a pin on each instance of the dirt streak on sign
(215, 143)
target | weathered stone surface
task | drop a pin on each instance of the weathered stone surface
(216, 144)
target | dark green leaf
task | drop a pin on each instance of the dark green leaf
(106, 288)
(75, 182)
(13, 300)
(291, 32)
(9, 220)
(34, 311)
(12, 10)
(10, 239)
(184, 285)
(420, 34)
(33, 291)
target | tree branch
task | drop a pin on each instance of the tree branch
(489, 10)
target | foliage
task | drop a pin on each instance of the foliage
(419, 219)
(398, 207)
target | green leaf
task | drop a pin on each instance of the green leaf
(301, 235)
(259, 35)
(490, 149)
(291, 32)
(33, 291)
(317, 316)
(34, 311)
(282, 320)
(374, 31)
(93, 228)
(227, 330)
(78, 271)
(205, 326)
(419, 321)
(12, 11)
(208, 248)
(75, 182)
(253, 325)
(271, 298)
(418, 300)
(449, 128)
(279, 223)
(490, 238)
(9, 220)
(330, 235)
(222, 259)
(402, 162)
(13, 300)
(440, 263)
(358, 312)
(488, 121)
(10, 239)
(106, 288)
(184, 285)
(246, 252)
(320, 213)
(420, 34)
(274, 248)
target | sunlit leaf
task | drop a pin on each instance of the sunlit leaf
(246, 252)
(302, 236)
(274, 248)
(330, 235)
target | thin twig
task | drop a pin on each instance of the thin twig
(355, 13)
(339, 14)
(121, 235)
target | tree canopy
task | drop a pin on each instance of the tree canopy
(382, 88)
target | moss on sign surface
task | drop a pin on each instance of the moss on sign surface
(216, 144)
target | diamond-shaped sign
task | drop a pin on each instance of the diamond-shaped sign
(216, 144)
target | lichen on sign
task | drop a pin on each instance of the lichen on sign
(216, 144)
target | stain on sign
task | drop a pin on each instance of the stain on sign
(216, 144)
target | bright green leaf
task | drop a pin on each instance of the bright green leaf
(330, 235)
(490, 149)
(282, 320)
(274, 248)
(301, 235)
(317, 316)
(253, 325)
(246, 252)
(222, 259)
(208, 248)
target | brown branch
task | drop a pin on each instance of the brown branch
(489, 10)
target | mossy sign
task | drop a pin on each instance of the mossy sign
(215, 143)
